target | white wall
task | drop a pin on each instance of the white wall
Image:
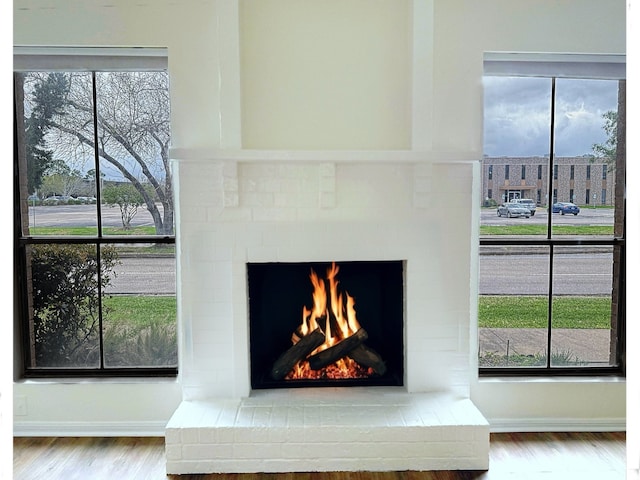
(445, 89)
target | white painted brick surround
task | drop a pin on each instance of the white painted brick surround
(239, 210)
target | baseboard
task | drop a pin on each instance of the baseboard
(157, 429)
(507, 425)
(93, 429)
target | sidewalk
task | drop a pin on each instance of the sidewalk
(590, 345)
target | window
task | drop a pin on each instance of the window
(588, 172)
(490, 172)
(523, 173)
(604, 172)
(95, 244)
(551, 296)
(506, 172)
(587, 197)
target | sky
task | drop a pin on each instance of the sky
(517, 115)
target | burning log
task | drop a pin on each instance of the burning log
(338, 351)
(368, 357)
(295, 353)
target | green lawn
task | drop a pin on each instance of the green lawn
(499, 311)
(89, 231)
(140, 311)
(542, 230)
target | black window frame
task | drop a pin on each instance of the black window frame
(25, 367)
(617, 243)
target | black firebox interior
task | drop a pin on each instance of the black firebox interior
(279, 291)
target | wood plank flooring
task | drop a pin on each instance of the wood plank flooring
(513, 456)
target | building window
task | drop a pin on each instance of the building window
(95, 247)
(523, 173)
(604, 172)
(571, 196)
(573, 172)
(587, 197)
(603, 196)
(490, 193)
(506, 172)
(588, 172)
(540, 323)
(490, 172)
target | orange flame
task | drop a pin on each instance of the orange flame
(341, 310)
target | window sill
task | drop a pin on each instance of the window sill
(98, 381)
(509, 379)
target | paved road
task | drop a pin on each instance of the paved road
(574, 274)
(82, 215)
(580, 274)
(144, 275)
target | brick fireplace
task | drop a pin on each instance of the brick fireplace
(257, 207)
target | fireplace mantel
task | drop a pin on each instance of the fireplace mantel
(337, 156)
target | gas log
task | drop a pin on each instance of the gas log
(368, 357)
(296, 353)
(338, 351)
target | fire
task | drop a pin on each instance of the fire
(334, 313)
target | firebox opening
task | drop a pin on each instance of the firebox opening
(326, 324)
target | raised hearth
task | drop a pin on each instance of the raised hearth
(335, 429)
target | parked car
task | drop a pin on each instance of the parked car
(527, 202)
(513, 209)
(565, 208)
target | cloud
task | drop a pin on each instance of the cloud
(517, 115)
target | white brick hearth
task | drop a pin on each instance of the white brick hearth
(377, 429)
(323, 207)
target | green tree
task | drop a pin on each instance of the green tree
(126, 197)
(48, 100)
(66, 302)
(607, 150)
(133, 131)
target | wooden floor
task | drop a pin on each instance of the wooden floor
(513, 456)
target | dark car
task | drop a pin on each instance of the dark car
(565, 208)
(513, 209)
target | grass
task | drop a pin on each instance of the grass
(499, 311)
(542, 230)
(484, 230)
(140, 331)
(90, 231)
(141, 311)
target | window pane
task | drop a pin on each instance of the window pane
(134, 133)
(60, 189)
(586, 114)
(64, 305)
(140, 306)
(513, 312)
(582, 325)
(517, 116)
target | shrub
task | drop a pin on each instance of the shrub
(66, 302)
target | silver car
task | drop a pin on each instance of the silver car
(513, 209)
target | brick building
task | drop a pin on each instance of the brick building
(581, 180)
